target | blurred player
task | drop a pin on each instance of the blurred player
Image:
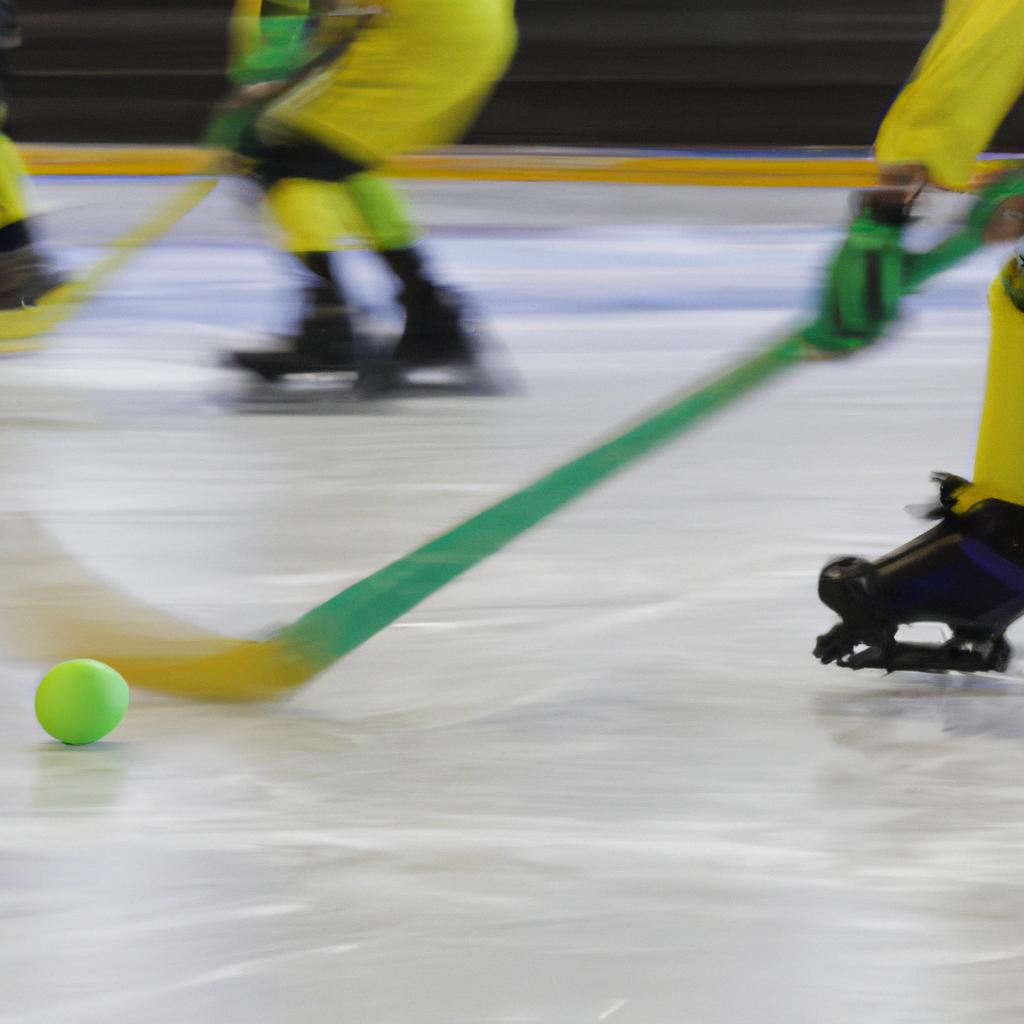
(25, 275)
(968, 570)
(374, 83)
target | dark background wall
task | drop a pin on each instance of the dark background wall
(616, 72)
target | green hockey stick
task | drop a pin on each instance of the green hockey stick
(156, 651)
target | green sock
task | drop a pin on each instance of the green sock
(383, 211)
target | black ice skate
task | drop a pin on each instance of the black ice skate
(324, 343)
(443, 338)
(437, 331)
(26, 275)
(967, 573)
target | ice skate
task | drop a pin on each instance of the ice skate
(437, 331)
(967, 573)
(26, 275)
(441, 346)
(324, 343)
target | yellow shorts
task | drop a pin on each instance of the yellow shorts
(416, 76)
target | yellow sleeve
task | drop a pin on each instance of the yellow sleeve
(964, 85)
(245, 33)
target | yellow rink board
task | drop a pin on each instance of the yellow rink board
(485, 164)
(482, 163)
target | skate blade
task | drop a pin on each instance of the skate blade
(932, 659)
(490, 374)
(470, 380)
(323, 392)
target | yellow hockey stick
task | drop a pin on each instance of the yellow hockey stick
(21, 330)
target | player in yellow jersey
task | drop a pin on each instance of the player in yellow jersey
(25, 274)
(968, 570)
(372, 82)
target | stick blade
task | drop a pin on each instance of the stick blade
(240, 671)
(52, 608)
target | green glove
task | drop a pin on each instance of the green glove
(991, 197)
(284, 53)
(865, 280)
(231, 127)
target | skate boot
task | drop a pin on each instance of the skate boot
(325, 342)
(437, 331)
(967, 572)
(25, 277)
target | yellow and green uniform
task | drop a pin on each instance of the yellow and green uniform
(412, 75)
(13, 203)
(965, 83)
(415, 76)
(364, 84)
(268, 39)
(967, 80)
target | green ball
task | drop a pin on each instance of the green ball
(80, 701)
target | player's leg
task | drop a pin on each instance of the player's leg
(437, 330)
(968, 570)
(311, 220)
(999, 457)
(416, 79)
(318, 196)
(312, 216)
(25, 274)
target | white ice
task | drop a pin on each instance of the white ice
(598, 778)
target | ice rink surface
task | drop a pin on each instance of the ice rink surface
(598, 778)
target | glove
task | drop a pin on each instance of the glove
(232, 126)
(260, 76)
(866, 278)
(283, 51)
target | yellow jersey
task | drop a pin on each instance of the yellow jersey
(965, 83)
